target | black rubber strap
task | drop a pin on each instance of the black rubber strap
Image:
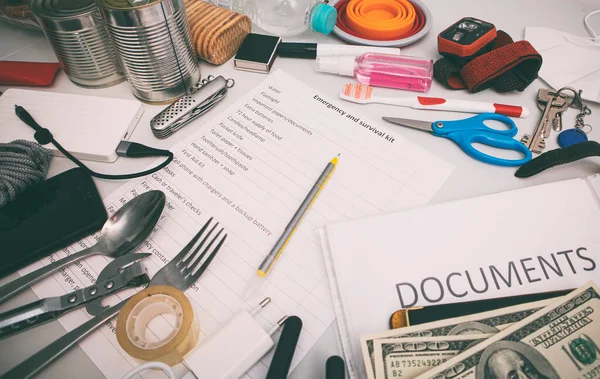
(558, 157)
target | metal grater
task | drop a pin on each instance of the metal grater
(188, 107)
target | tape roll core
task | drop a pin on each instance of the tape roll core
(144, 312)
(141, 309)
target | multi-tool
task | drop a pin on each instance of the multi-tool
(191, 106)
(123, 272)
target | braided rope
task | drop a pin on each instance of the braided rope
(22, 164)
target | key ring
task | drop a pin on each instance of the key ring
(584, 110)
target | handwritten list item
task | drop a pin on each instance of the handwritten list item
(250, 168)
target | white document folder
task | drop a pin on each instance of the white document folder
(536, 239)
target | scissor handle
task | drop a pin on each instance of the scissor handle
(472, 130)
(476, 124)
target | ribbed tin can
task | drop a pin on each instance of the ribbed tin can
(77, 34)
(153, 43)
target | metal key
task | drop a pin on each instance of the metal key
(555, 115)
(536, 142)
(556, 121)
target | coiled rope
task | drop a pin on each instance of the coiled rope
(22, 164)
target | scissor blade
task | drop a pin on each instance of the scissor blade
(415, 124)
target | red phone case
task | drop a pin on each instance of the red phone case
(27, 73)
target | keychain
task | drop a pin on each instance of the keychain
(577, 135)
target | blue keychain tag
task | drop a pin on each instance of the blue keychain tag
(571, 137)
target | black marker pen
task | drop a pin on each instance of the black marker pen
(313, 50)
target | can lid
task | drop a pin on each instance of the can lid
(61, 9)
(125, 4)
(323, 18)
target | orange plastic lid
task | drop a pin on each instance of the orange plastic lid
(381, 19)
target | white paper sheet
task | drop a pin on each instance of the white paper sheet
(536, 239)
(250, 168)
(581, 72)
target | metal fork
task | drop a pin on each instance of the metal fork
(181, 273)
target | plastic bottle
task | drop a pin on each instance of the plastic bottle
(285, 17)
(382, 70)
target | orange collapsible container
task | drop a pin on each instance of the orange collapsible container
(380, 19)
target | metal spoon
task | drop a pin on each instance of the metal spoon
(121, 234)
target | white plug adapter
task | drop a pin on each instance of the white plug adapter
(234, 349)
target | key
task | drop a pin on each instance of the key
(557, 118)
(556, 121)
(554, 118)
(535, 142)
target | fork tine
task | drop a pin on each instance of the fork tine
(194, 264)
(179, 257)
(212, 255)
(187, 262)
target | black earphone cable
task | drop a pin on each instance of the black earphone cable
(132, 149)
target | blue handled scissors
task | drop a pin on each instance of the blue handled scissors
(473, 130)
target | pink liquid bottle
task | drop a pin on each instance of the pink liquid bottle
(382, 70)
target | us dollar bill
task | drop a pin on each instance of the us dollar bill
(407, 358)
(480, 323)
(561, 341)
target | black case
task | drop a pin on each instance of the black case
(47, 217)
(440, 312)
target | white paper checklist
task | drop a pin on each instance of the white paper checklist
(250, 168)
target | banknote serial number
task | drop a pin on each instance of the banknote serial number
(411, 363)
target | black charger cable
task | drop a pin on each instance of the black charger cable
(125, 149)
(284, 352)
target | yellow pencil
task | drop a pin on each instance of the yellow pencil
(270, 260)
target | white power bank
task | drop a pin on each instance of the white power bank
(89, 127)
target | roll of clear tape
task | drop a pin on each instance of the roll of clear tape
(149, 303)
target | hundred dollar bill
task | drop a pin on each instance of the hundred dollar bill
(407, 358)
(479, 323)
(561, 341)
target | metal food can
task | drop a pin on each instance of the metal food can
(80, 41)
(152, 40)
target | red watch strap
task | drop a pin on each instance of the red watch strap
(508, 68)
(27, 73)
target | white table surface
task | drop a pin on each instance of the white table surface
(470, 178)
